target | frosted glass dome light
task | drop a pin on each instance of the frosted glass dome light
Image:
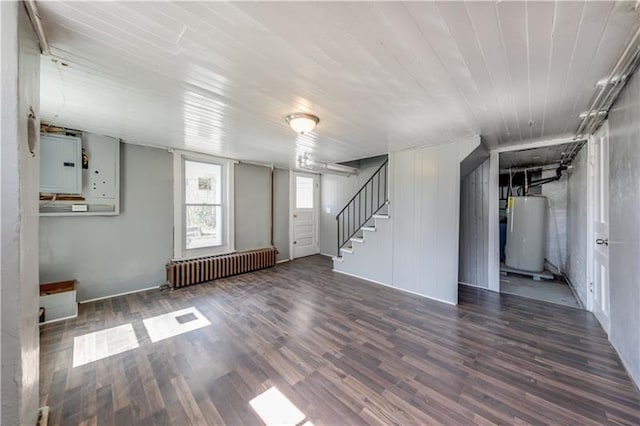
(302, 123)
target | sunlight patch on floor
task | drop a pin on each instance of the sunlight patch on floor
(103, 344)
(174, 323)
(275, 409)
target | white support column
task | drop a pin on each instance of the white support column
(493, 232)
(19, 177)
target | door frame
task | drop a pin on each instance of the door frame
(493, 244)
(591, 206)
(292, 207)
(590, 215)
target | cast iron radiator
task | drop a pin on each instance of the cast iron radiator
(181, 273)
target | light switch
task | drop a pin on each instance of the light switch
(328, 209)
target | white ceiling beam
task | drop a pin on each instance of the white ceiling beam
(535, 144)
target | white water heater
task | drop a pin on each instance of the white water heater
(526, 229)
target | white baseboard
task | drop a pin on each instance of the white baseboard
(476, 286)
(119, 294)
(625, 364)
(363, 278)
(573, 290)
(552, 268)
(394, 288)
(283, 261)
(60, 319)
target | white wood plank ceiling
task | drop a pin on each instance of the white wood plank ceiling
(221, 77)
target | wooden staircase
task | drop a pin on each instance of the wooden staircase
(361, 236)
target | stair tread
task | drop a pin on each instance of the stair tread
(357, 239)
(369, 228)
(381, 216)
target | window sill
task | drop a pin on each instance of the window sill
(200, 256)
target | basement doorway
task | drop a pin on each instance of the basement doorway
(541, 192)
(542, 210)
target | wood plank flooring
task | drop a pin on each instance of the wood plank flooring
(343, 351)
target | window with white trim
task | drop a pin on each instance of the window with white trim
(203, 213)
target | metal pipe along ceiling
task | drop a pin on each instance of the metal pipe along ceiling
(34, 16)
(610, 87)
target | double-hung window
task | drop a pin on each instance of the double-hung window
(203, 214)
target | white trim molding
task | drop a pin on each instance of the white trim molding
(435, 299)
(536, 144)
(228, 239)
(118, 294)
(493, 232)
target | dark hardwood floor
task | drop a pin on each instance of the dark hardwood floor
(343, 351)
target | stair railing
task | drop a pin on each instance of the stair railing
(373, 195)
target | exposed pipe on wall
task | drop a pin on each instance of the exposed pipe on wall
(558, 175)
(272, 204)
(531, 169)
(521, 178)
(613, 95)
(306, 163)
(34, 16)
(610, 88)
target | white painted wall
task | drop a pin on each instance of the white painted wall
(416, 250)
(373, 259)
(493, 264)
(20, 171)
(474, 211)
(576, 263)
(335, 193)
(425, 211)
(624, 230)
(555, 250)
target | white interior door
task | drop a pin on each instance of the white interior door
(306, 197)
(600, 244)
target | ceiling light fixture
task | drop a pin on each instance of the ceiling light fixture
(302, 123)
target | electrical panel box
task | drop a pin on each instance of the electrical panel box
(100, 178)
(60, 164)
(99, 168)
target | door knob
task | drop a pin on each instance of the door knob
(602, 242)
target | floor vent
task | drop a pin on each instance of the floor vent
(181, 273)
